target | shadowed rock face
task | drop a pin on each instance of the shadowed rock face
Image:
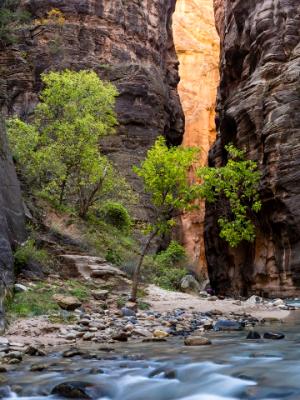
(128, 42)
(259, 110)
(12, 227)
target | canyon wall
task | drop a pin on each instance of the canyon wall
(197, 46)
(258, 109)
(128, 42)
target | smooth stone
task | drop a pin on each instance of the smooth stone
(20, 288)
(197, 341)
(158, 333)
(73, 390)
(227, 325)
(212, 298)
(72, 353)
(120, 336)
(38, 367)
(128, 312)
(253, 335)
(274, 336)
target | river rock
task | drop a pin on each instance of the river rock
(274, 336)
(120, 336)
(196, 341)
(68, 303)
(253, 335)
(278, 302)
(158, 333)
(228, 325)
(128, 312)
(73, 390)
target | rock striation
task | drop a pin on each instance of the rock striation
(129, 43)
(12, 226)
(258, 110)
(197, 46)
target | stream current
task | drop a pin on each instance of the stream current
(231, 368)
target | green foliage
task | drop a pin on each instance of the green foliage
(167, 268)
(77, 289)
(174, 255)
(34, 302)
(29, 252)
(238, 183)
(116, 214)
(10, 18)
(164, 174)
(58, 153)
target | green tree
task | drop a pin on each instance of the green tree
(59, 151)
(10, 17)
(237, 183)
(165, 176)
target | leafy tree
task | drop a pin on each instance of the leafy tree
(164, 174)
(237, 182)
(59, 151)
(10, 17)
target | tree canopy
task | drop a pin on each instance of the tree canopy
(237, 183)
(59, 151)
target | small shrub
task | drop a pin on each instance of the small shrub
(116, 214)
(169, 278)
(167, 268)
(29, 252)
(174, 254)
(113, 257)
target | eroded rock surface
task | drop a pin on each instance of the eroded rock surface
(197, 45)
(258, 110)
(127, 42)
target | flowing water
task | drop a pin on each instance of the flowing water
(232, 368)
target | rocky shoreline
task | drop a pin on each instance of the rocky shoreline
(39, 336)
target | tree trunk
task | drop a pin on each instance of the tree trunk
(62, 191)
(136, 276)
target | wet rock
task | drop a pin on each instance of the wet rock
(274, 336)
(253, 335)
(2, 369)
(73, 390)
(38, 367)
(3, 380)
(100, 294)
(212, 298)
(196, 341)
(228, 325)
(68, 303)
(154, 340)
(72, 353)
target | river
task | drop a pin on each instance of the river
(231, 368)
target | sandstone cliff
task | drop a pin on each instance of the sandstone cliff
(12, 228)
(197, 45)
(258, 110)
(128, 42)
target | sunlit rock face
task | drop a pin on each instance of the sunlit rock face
(259, 110)
(197, 46)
